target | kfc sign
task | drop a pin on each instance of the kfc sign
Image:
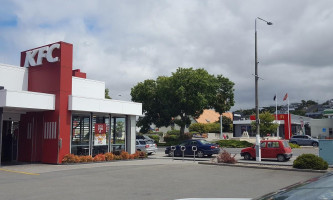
(43, 52)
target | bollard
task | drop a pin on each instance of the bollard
(173, 149)
(194, 149)
(183, 148)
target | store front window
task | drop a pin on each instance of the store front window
(118, 128)
(80, 135)
(101, 126)
(100, 139)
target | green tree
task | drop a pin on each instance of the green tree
(227, 124)
(175, 99)
(225, 95)
(107, 94)
(267, 126)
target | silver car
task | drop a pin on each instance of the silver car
(146, 146)
(304, 140)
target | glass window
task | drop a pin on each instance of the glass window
(275, 145)
(100, 139)
(286, 144)
(80, 135)
(263, 144)
(118, 128)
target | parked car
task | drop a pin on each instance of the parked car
(305, 140)
(278, 149)
(146, 146)
(315, 188)
(144, 137)
(203, 148)
(152, 147)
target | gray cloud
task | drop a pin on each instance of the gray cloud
(126, 42)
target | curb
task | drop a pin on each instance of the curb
(264, 167)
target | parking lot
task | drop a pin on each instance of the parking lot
(158, 177)
(141, 179)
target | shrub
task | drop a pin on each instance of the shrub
(173, 132)
(116, 157)
(310, 161)
(83, 159)
(131, 156)
(99, 157)
(156, 138)
(171, 138)
(198, 127)
(294, 146)
(89, 158)
(225, 157)
(234, 143)
(124, 155)
(69, 158)
(213, 127)
(142, 154)
(109, 156)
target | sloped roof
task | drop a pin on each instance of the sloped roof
(210, 116)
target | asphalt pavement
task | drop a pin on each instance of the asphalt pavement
(147, 179)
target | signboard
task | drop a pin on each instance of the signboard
(42, 52)
(100, 134)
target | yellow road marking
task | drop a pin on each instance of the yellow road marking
(19, 172)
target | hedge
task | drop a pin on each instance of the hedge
(234, 144)
(310, 161)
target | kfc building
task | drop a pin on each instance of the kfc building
(48, 110)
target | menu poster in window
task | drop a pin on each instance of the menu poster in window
(100, 134)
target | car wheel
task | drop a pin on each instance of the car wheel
(315, 144)
(200, 154)
(247, 156)
(171, 154)
(281, 158)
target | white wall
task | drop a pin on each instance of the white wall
(27, 100)
(104, 106)
(13, 77)
(88, 88)
(317, 126)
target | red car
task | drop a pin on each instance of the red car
(278, 149)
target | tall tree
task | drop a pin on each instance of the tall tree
(225, 95)
(176, 98)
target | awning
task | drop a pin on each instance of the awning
(84, 104)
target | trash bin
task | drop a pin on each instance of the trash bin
(325, 150)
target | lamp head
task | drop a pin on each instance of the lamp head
(269, 23)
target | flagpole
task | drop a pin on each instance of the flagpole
(289, 124)
(276, 117)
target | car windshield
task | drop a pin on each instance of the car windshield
(204, 142)
(142, 142)
(316, 188)
(286, 144)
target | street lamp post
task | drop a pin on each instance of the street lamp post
(258, 153)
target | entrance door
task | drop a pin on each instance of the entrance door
(9, 141)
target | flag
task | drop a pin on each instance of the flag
(285, 97)
(274, 98)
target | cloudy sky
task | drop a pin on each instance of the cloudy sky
(125, 42)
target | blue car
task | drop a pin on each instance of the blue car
(204, 148)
